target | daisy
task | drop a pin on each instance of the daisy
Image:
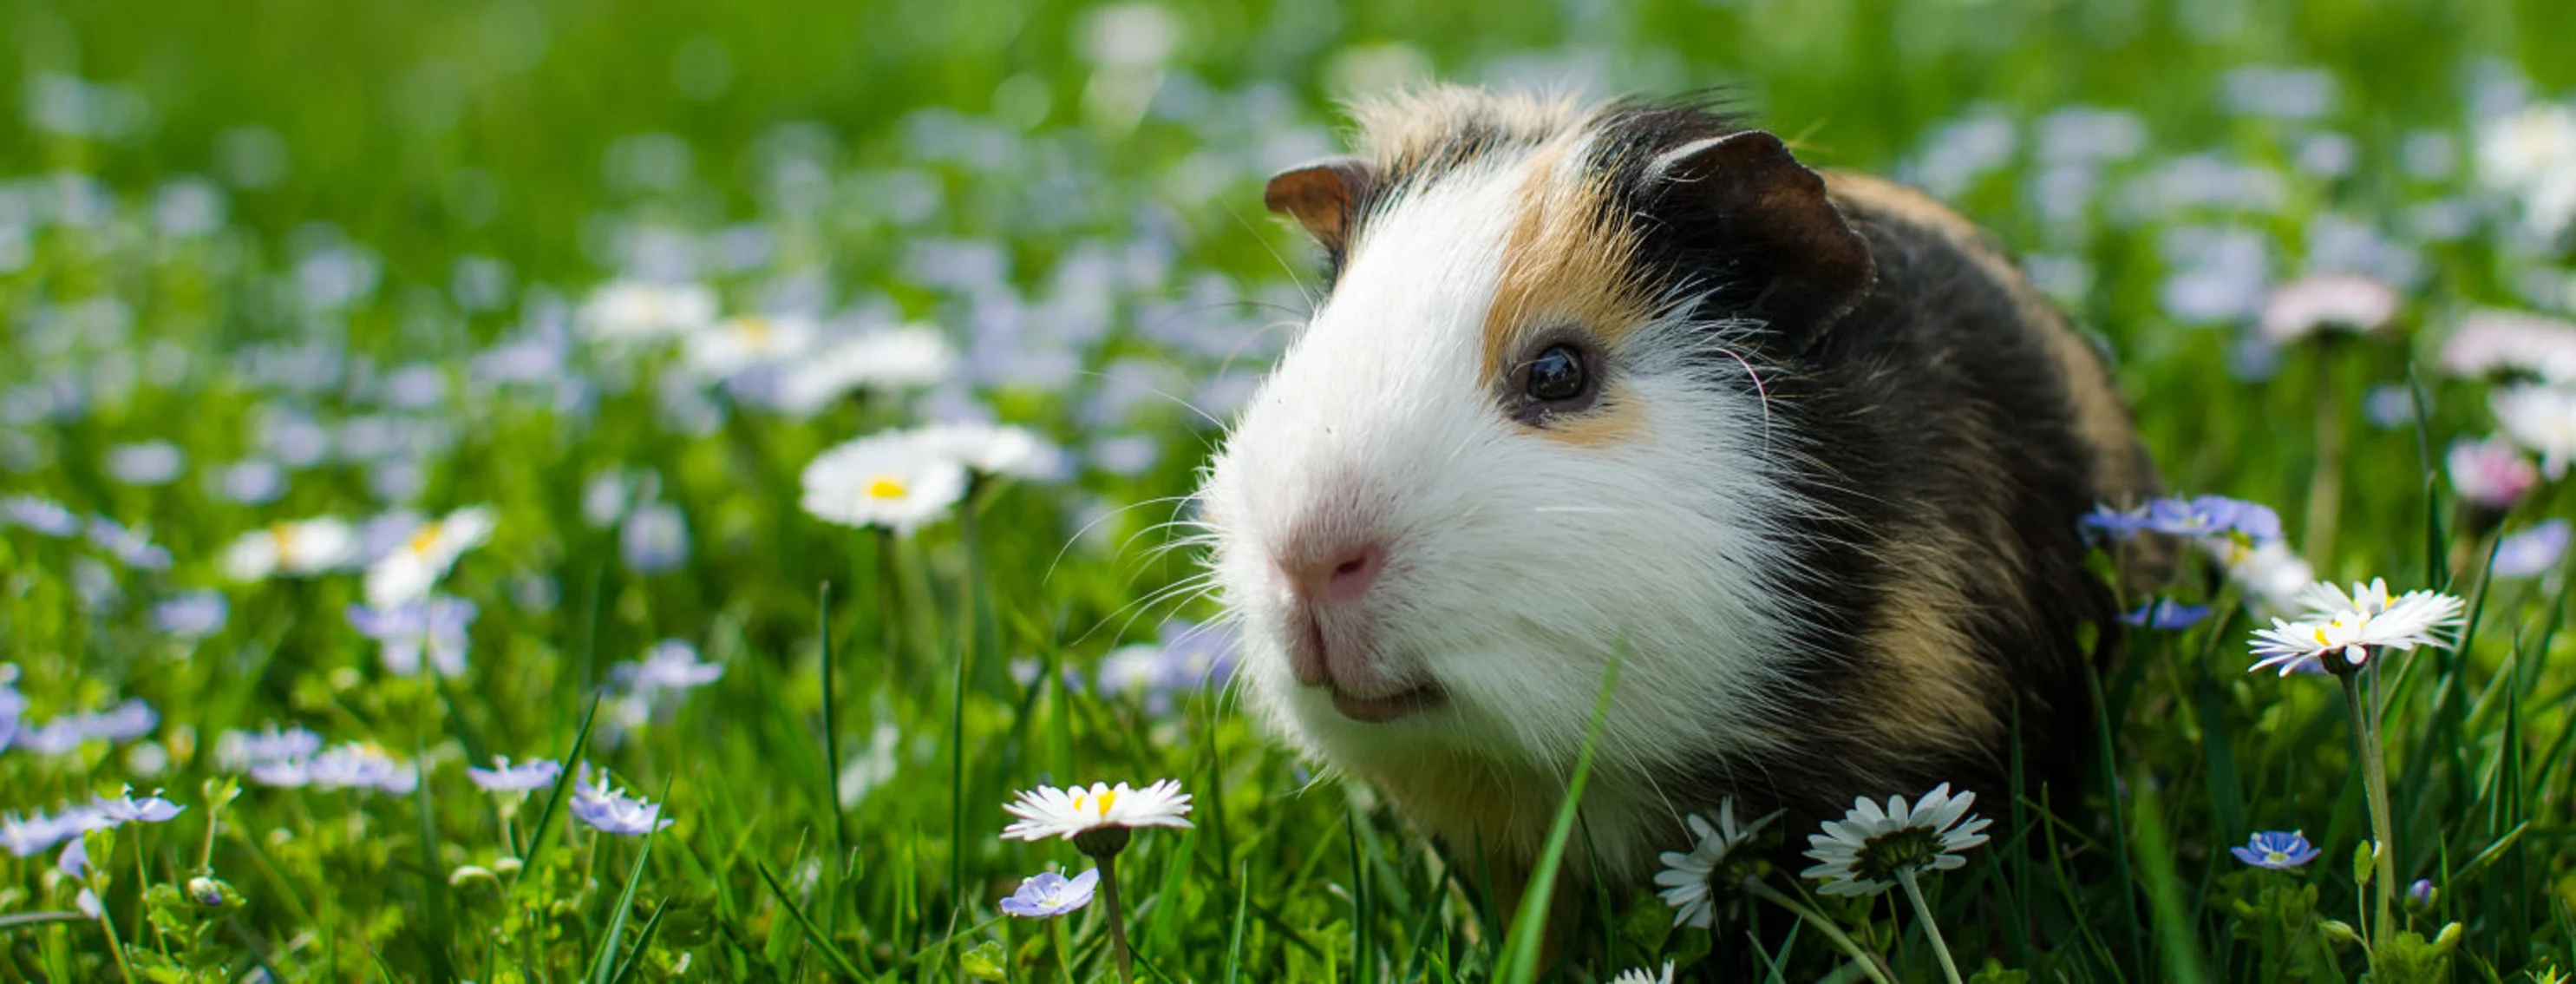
(293, 549)
(411, 569)
(893, 480)
(748, 341)
(2498, 342)
(2277, 850)
(631, 312)
(1050, 812)
(2491, 474)
(2541, 418)
(2272, 574)
(998, 450)
(2352, 625)
(1050, 894)
(900, 357)
(1870, 848)
(2327, 301)
(1643, 975)
(1690, 879)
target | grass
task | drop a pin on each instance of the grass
(218, 222)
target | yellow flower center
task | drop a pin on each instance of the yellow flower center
(885, 487)
(285, 538)
(1101, 801)
(755, 331)
(423, 540)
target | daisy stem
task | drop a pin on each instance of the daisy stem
(1117, 917)
(1868, 964)
(2325, 486)
(2374, 782)
(1931, 926)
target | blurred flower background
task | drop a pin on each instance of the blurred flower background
(389, 388)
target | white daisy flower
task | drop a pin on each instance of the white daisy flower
(1863, 853)
(747, 341)
(900, 357)
(2352, 625)
(1644, 975)
(2541, 418)
(1689, 879)
(413, 568)
(994, 449)
(294, 549)
(2489, 342)
(893, 480)
(2327, 301)
(2272, 574)
(636, 311)
(1050, 812)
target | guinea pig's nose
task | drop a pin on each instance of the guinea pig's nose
(1338, 574)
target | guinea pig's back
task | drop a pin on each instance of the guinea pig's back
(1957, 429)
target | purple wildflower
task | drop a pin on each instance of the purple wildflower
(2280, 850)
(611, 810)
(192, 615)
(2166, 613)
(150, 809)
(435, 625)
(1050, 894)
(506, 778)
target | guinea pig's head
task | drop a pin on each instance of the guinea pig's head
(1526, 430)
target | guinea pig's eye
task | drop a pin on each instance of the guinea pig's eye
(1556, 375)
(1558, 380)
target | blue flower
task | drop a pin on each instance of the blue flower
(2276, 849)
(1051, 894)
(1187, 657)
(435, 625)
(506, 778)
(130, 548)
(26, 836)
(193, 615)
(2115, 523)
(2214, 515)
(611, 810)
(655, 539)
(43, 516)
(2532, 552)
(150, 809)
(2166, 613)
(243, 749)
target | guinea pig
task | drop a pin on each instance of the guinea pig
(1805, 453)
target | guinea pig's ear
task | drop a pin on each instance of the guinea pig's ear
(1322, 196)
(1772, 210)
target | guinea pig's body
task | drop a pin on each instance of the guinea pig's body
(1805, 455)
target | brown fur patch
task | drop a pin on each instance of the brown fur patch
(1564, 264)
(1937, 692)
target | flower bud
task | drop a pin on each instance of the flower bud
(2337, 929)
(506, 867)
(2421, 895)
(205, 891)
(473, 878)
(2448, 940)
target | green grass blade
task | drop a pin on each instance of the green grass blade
(1529, 925)
(813, 933)
(563, 786)
(643, 944)
(603, 962)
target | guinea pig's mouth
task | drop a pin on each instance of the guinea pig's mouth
(1380, 710)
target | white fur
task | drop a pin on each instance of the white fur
(1517, 563)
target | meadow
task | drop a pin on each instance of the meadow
(387, 388)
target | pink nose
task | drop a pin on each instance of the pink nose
(1333, 577)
